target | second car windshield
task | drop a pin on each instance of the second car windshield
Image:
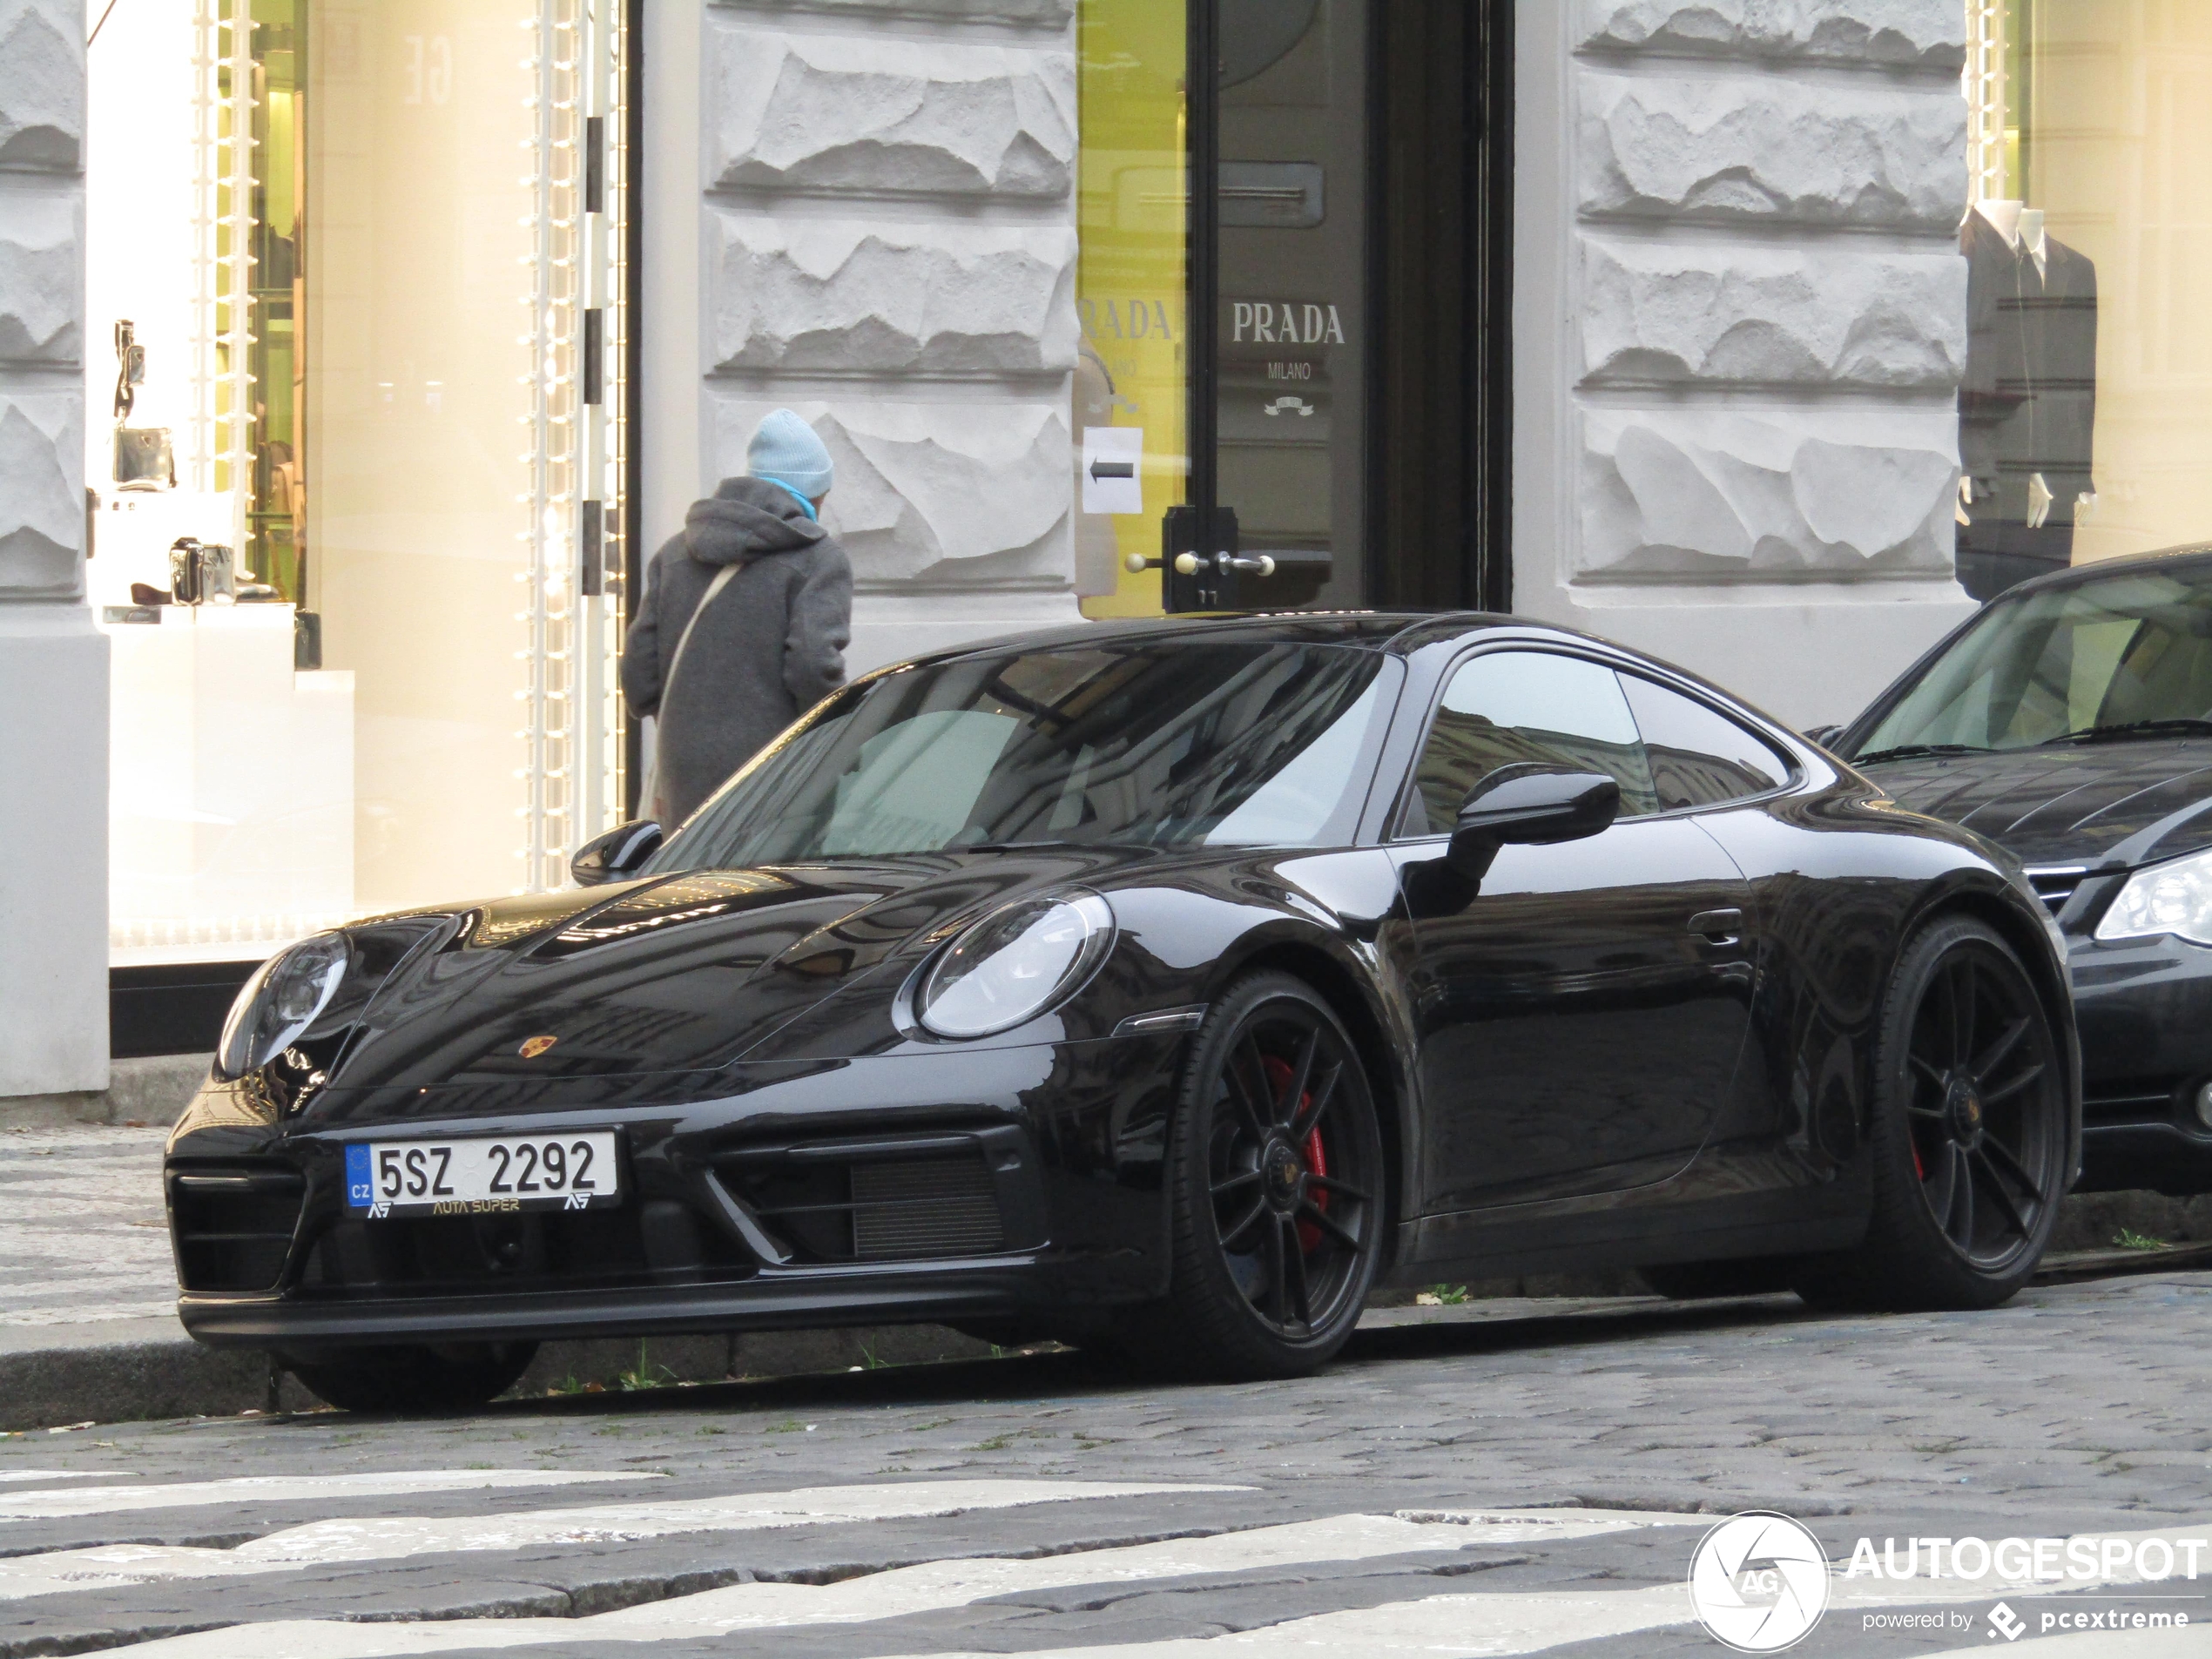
(2129, 653)
(1157, 744)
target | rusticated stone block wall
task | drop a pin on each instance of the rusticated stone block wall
(42, 288)
(1766, 290)
(889, 248)
(53, 663)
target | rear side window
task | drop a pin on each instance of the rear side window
(1509, 705)
(1698, 756)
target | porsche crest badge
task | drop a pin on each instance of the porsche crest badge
(532, 1047)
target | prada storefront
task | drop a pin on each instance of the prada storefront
(1293, 386)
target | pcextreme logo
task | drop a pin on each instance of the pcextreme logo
(1758, 1583)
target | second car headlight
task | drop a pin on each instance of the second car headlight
(1015, 963)
(280, 1002)
(2171, 898)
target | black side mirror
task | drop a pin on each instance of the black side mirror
(617, 855)
(1529, 803)
(1822, 735)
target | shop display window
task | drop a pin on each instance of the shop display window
(356, 463)
(2085, 410)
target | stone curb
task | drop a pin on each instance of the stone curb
(164, 1377)
(154, 1090)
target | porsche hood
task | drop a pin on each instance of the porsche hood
(684, 973)
(2115, 804)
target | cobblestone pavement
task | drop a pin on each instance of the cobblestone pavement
(83, 1239)
(1504, 1478)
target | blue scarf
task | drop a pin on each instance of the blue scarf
(801, 499)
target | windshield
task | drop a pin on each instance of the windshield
(2128, 655)
(1152, 744)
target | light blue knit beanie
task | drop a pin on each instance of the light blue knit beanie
(786, 451)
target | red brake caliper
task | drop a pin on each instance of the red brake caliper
(1316, 1161)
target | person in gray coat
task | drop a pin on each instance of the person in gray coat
(768, 645)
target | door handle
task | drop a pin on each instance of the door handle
(1719, 927)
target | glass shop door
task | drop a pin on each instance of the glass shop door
(1288, 394)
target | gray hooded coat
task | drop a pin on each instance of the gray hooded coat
(770, 647)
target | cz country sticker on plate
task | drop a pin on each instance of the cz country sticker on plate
(493, 1175)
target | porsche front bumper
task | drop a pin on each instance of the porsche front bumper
(976, 1184)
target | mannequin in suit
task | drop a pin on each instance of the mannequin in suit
(2027, 401)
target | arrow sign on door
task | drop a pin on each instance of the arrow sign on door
(1113, 458)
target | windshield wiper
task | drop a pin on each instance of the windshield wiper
(2179, 727)
(1915, 751)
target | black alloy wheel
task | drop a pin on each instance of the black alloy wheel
(1276, 1183)
(450, 1377)
(1972, 1140)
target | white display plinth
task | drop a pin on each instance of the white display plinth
(232, 802)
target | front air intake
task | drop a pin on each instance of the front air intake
(232, 1223)
(925, 1197)
(931, 1207)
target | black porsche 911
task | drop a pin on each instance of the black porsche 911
(2070, 721)
(1161, 988)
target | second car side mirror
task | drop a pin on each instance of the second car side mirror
(617, 855)
(1529, 803)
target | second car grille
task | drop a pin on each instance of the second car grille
(2128, 1102)
(233, 1223)
(2056, 884)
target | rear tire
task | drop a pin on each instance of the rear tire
(1971, 1134)
(1275, 1189)
(448, 1377)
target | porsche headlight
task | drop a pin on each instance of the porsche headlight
(1015, 963)
(280, 1002)
(2171, 898)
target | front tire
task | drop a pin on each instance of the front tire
(410, 1380)
(1274, 1190)
(1971, 1137)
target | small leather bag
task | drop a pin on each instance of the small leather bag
(143, 458)
(184, 569)
(202, 572)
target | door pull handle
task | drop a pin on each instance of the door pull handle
(1720, 926)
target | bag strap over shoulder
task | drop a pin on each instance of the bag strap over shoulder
(649, 796)
(721, 581)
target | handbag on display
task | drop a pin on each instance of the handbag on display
(202, 572)
(142, 459)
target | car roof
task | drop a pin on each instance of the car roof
(2193, 558)
(1397, 633)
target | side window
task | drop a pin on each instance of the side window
(1513, 705)
(1699, 757)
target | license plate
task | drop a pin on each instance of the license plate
(495, 1175)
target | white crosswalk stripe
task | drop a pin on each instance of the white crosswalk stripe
(903, 1592)
(1201, 1543)
(286, 1488)
(392, 1538)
